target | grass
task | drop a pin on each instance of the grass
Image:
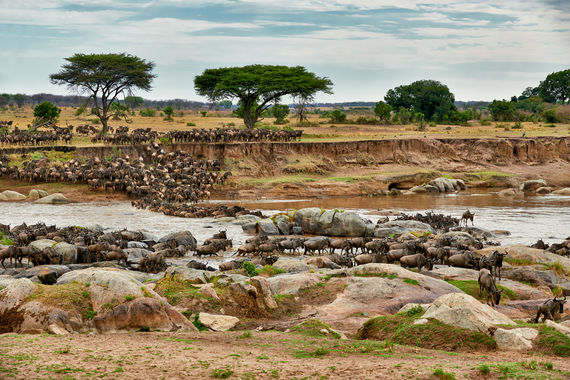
(68, 297)
(313, 328)
(400, 329)
(176, 290)
(553, 342)
(556, 267)
(246, 335)
(522, 370)
(471, 287)
(441, 374)
(518, 262)
(410, 281)
(199, 325)
(222, 373)
(278, 180)
(350, 179)
(389, 276)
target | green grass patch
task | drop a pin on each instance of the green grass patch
(556, 267)
(410, 281)
(279, 180)
(270, 271)
(441, 374)
(400, 329)
(530, 370)
(471, 287)
(222, 373)
(69, 297)
(553, 342)
(314, 327)
(517, 262)
(350, 179)
(199, 325)
(389, 276)
(175, 290)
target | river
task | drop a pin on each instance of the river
(527, 218)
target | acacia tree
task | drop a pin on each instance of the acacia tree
(556, 87)
(429, 97)
(258, 86)
(104, 77)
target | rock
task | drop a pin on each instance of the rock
(33, 195)
(106, 286)
(292, 284)
(459, 238)
(192, 276)
(444, 185)
(507, 193)
(564, 191)
(45, 273)
(263, 288)
(544, 190)
(137, 244)
(283, 224)
(531, 274)
(255, 297)
(10, 195)
(208, 291)
(307, 219)
(246, 219)
(13, 292)
(53, 199)
(135, 255)
(481, 233)
(66, 252)
(418, 189)
(532, 185)
(462, 310)
(218, 322)
(266, 227)
(533, 255)
(322, 262)
(291, 265)
(558, 327)
(330, 222)
(37, 246)
(184, 238)
(297, 230)
(515, 339)
(142, 313)
(399, 227)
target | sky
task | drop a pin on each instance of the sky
(481, 49)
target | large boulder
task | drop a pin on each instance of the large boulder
(107, 286)
(462, 310)
(142, 313)
(47, 274)
(10, 195)
(330, 222)
(135, 255)
(13, 292)
(291, 265)
(192, 276)
(184, 238)
(218, 322)
(446, 185)
(266, 227)
(283, 224)
(255, 297)
(37, 246)
(292, 284)
(459, 238)
(532, 185)
(35, 194)
(53, 199)
(308, 219)
(67, 253)
(558, 327)
(515, 339)
(400, 227)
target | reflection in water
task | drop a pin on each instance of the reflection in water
(528, 218)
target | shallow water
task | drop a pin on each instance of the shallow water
(527, 219)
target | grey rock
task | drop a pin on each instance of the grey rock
(266, 227)
(53, 199)
(10, 195)
(184, 238)
(193, 276)
(399, 227)
(283, 224)
(532, 185)
(137, 244)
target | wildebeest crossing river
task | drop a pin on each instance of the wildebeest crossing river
(527, 220)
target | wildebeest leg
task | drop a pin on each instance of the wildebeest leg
(537, 316)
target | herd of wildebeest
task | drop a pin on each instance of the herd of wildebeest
(123, 136)
(173, 182)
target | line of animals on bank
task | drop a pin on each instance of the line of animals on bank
(92, 246)
(122, 136)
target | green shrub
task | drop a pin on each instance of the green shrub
(199, 325)
(484, 369)
(250, 268)
(147, 112)
(190, 124)
(441, 374)
(222, 373)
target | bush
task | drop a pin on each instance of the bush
(190, 124)
(337, 116)
(250, 268)
(168, 111)
(46, 111)
(147, 112)
(485, 122)
(549, 116)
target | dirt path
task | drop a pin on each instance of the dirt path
(249, 355)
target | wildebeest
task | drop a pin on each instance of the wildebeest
(462, 260)
(416, 261)
(317, 245)
(549, 308)
(496, 260)
(467, 215)
(487, 282)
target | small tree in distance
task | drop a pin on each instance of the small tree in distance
(168, 111)
(382, 111)
(45, 113)
(337, 116)
(280, 112)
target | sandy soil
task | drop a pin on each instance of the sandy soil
(263, 355)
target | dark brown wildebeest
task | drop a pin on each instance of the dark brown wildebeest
(487, 282)
(467, 215)
(549, 308)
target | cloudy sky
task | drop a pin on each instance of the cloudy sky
(482, 49)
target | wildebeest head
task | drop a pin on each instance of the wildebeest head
(561, 302)
(497, 296)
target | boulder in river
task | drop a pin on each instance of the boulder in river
(53, 199)
(184, 238)
(399, 227)
(10, 195)
(532, 185)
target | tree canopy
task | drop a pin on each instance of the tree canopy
(258, 86)
(104, 77)
(556, 87)
(382, 111)
(429, 97)
(46, 112)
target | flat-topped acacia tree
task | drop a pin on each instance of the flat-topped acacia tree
(258, 86)
(104, 77)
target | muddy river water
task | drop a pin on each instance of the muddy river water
(527, 219)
